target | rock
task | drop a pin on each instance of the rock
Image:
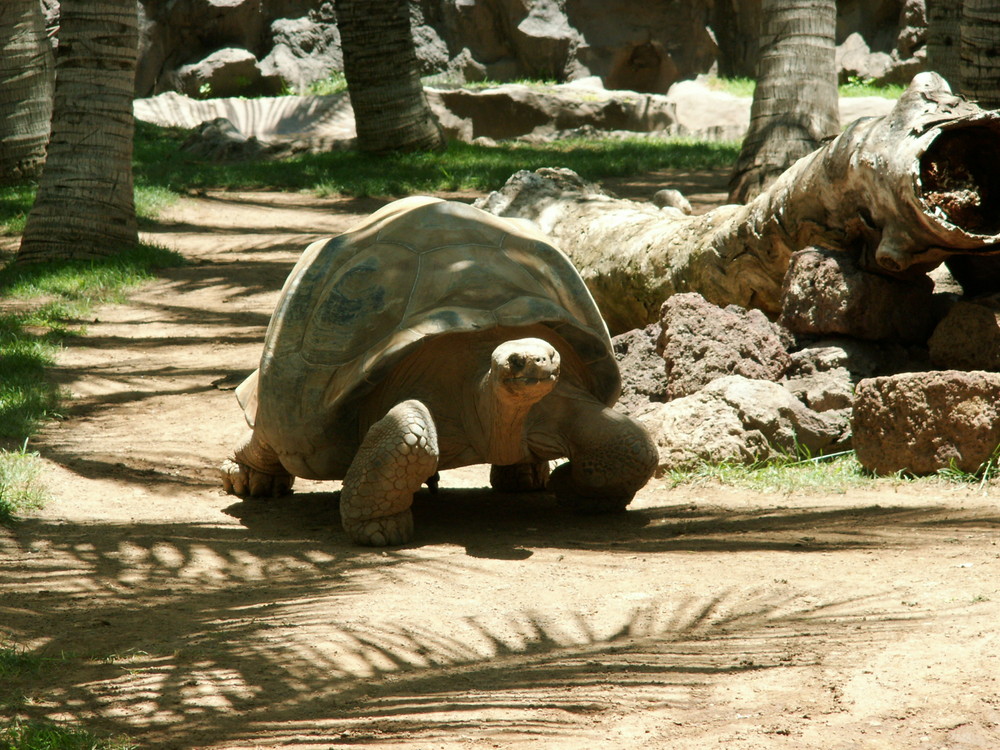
(856, 61)
(738, 420)
(226, 72)
(304, 50)
(643, 379)
(220, 140)
(968, 338)
(825, 292)
(513, 111)
(670, 198)
(920, 423)
(826, 390)
(701, 342)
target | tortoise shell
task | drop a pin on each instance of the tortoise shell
(356, 304)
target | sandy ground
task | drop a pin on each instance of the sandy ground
(705, 617)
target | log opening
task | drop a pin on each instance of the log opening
(960, 178)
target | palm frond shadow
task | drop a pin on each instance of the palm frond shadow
(190, 635)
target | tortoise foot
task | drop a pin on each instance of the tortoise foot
(244, 481)
(587, 502)
(529, 477)
(382, 532)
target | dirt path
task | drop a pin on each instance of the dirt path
(705, 617)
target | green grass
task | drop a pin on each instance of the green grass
(21, 489)
(45, 735)
(461, 166)
(854, 87)
(835, 473)
(53, 301)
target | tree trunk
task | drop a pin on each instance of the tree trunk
(26, 77)
(980, 52)
(795, 104)
(383, 77)
(944, 23)
(85, 206)
(903, 192)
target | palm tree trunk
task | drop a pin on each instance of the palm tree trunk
(795, 103)
(944, 31)
(85, 206)
(980, 52)
(383, 77)
(26, 77)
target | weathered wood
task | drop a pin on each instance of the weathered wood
(903, 191)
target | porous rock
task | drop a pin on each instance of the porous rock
(702, 341)
(968, 338)
(920, 423)
(825, 292)
(643, 379)
(735, 419)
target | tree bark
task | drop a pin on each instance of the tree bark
(795, 104)
(980, 52)
(903, 192)
(85, 207)
(383, 78)
(26, 78)
(944, 33)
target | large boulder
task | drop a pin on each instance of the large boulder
(826, 292)
(515, 110)
(225, 72)
(735, 419)
(303, 50)
(702, 342)
(920, 423)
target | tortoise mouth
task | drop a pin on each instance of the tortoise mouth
(527, 380)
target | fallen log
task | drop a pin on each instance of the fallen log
(904, 192)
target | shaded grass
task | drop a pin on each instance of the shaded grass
(45, 304)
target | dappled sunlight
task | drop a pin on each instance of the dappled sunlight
(209, 636)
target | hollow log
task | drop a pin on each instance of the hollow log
(904, 192)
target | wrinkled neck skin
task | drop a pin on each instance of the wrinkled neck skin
(502, 417)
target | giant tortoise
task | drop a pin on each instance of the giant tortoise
(430, 336)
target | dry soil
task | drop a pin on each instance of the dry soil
(704, 617)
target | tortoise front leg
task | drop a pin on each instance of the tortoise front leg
(528, 477)
(611, 457)
(399, 453)
(255, 471)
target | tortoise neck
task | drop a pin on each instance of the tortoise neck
(502, 419)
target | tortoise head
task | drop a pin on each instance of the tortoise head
(524, 371)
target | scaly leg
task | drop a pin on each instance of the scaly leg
(611, 458)
(398, 454)
(255, 471)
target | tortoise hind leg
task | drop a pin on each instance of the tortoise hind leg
(255, 471)
(397, 456)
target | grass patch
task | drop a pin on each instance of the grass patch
(461, 166)
(44, 735)
(55, 298)
(855, 86)
(20, 490)
(835, 473)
